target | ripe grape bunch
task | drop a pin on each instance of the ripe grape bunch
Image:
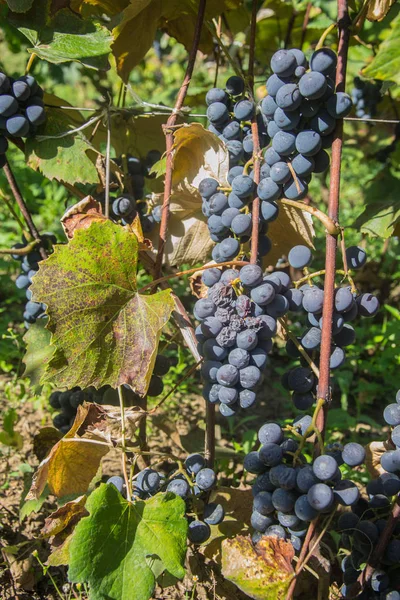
(132, 201)
(238, 320)
(67, 401)
(192, 482)
(307, 299)
(296, 120)
(364, 526)
(29, 266)
(288, 491)
(21, 109)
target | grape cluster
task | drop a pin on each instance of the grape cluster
(302, 110)
(229, 113)
(21, 109)
(308, 299)
(125, 207)
(362, 528)
(298, 117)
(238, 320)
(67, 401)
(29, 267)
(288, 492)
(192, 483)
(366, 96)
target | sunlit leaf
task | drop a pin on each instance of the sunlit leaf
(103, 330)
(134, 532)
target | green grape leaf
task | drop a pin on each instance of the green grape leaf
(381, 214)
(19, 6)
(111, 548)
(38, 351)
(63, 36)
(263, 571)
(64, 158)
(386, 64)
(103, 330)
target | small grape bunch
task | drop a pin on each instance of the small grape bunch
(29, 267)
(288, 491)
(192, 482)
(126, 206)
(21, 109)
(67, 401)
(308, 299)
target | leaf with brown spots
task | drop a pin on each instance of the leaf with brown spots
(262, 571)
(73, 461)
(104, 332)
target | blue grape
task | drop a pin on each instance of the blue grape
(288, 97)
(217, 112)
(284, 143)
(303, 509)
(205, 479)
(339, 105)
(320, 497)
(211, 276)
(323, 123)
(235, 85)
(353, 454)
(280, 172)
(213, 513)
(368, 305)
(356, 257)
(198, 532)
(250, 275)
(270, 454)
(299, 257)
(241, 224)
(295, 190)
(346, 492)
(216, 95)
(208, 187)
(180, 487)
(263, 294)
(268, 106)
(17, 125)
(303, 165)
(117, 482)
(268, 190)
(247, 398)
(312, 85)
(242, 186)
(253, 463)
(325, 467)
(283, 63)
(8, 105)
(324, 61)
(285, 120)
(244, 110)
(249, 376)
(321, 161)
(269, 211)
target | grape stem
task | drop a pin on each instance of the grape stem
(128, 481)
(237, 263)
(295, 178)
(23, 208)
(30, 62)
(169, 138)
(310, 276)
(107, 190)
(323, 37)
(329, 223)
(255, 208)
(299, 347)
(20, 251)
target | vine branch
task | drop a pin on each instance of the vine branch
(327, 221)
(169, 137)
(23, 208)
(324, 392)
